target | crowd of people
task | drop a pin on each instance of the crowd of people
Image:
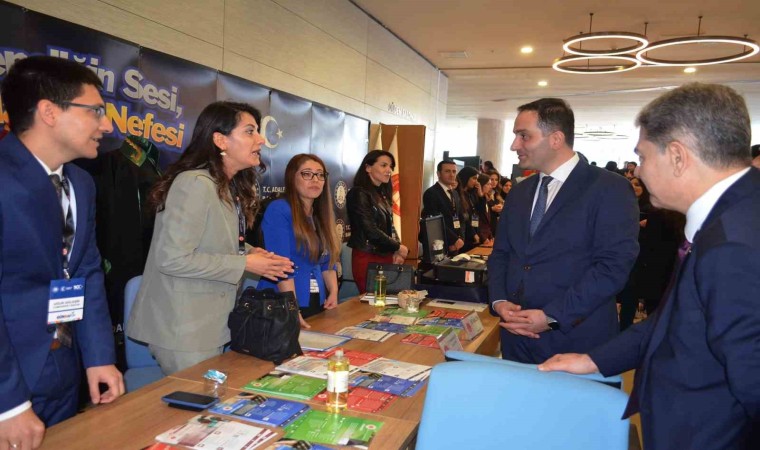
(566, 242)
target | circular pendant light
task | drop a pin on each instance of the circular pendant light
(561, 64)
(749, 48)
(571, 43)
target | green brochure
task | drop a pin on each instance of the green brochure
(334, 429)
(288, 385)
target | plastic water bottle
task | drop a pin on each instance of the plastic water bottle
(337, 382)
(380, 283)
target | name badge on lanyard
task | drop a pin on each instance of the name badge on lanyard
(66, 302)
(475, 221)
(313, 285)
(456, 222)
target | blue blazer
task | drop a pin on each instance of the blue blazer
(697, 381)
(572, 268)
(277, 227)
(30, 257)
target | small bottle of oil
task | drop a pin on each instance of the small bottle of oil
(337, 382)
(380, 284)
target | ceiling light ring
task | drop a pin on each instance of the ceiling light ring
(641, 40)
(633, 64)
(754, 48)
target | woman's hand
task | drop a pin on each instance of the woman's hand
(497, 208)
(267, 264)
(331, 301)
(305, 325)
(400, 255)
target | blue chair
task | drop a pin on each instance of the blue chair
(474, 405)
(347, 287)
(615, 381)
(142, 369)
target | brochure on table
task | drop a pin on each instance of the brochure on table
(355, 357)
(365, 334)
(334, 429)
(286, 384)
(309, 366)
(312, 340)
(256, 408)
(364, 400)
(467, 306)
(398, 369)
(205, 432)
(385, 383)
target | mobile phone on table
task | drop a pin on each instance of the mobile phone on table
(189, 400)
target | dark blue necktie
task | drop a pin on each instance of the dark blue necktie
(540, 209)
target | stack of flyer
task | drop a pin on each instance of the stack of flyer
(308, 366)
(286, 384)
(205, 432)
(256, 408)
(333, 429)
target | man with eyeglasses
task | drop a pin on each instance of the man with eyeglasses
(53, 309)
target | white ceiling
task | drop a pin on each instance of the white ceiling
(495, 78)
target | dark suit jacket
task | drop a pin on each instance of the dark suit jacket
(436, 202)
(30, 257)
(698, 357)
(577, 261)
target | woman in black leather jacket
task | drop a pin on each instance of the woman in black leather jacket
(370, 211)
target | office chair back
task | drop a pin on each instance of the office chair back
(485, 405)
(615, 381)
(142, 369)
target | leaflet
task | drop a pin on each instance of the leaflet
(385, 383)
(203, 432)
(401, 320)
(365, 334)
(379, 326)
(259, 409)
(355, 357)
(312, 340)
(335, 429)
(308, 366)
(398, 369)
(287, 384)
(365, 400)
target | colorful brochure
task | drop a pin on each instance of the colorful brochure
(380, 326)
(365, 334)
(334, 429)
(256, 408)
(312, 340)
(447, 314)
(364, 400)
(401, 320)
(205, 432)
(403, 312)
(449, 340)
(308, 366)
(424, 340)
(289, 385)
(355, 357)
(441, 321)
(433, 330)
(398, 369)
(385, 383)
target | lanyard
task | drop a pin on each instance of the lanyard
(241, 218)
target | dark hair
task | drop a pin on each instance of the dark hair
(37, 78)
(322, 235)
(631, 162)
(362, 178)
(488, 165)
(202, 153)
(645, 203)
(611, 166)
(755, 151)
(463, 177)
(712, 120)
(554, 114)
(445, 161)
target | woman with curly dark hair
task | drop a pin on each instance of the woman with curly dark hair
(204, 204)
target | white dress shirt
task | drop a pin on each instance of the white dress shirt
(700, 209)
(559, 176)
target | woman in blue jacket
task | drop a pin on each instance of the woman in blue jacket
(301, 226)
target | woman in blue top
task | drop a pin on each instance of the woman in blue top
(301, 226)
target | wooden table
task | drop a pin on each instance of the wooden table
(133, 421)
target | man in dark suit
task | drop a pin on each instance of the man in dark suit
(565, 246)
(697, 382)
(442, 199)
(48, 252)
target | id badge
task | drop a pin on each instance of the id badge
(313, 286)
(475, 221)
(456, 222)
(66, 302)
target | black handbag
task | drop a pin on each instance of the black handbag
(399, 277)
(265, 324)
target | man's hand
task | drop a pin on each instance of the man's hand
(577, 363)
(526, 323)
(331, 301)
(108, 375)
(457, 245)
(25, 431)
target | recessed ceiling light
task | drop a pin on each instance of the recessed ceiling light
(690, 70)
(543, 83)
(526, 50)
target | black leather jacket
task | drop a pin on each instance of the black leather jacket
(371, 223)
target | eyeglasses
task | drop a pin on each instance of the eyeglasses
(99, 110)
(308, 176)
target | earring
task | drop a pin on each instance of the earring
(223, 153)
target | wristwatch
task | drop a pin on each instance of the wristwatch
(552, 322)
